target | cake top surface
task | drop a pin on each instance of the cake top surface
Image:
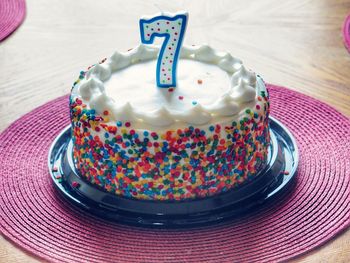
(211, 85)
(197, 83)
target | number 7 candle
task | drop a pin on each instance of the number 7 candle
(172, 28)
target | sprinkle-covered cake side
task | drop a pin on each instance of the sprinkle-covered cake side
(177, 151)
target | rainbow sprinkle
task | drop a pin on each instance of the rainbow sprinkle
(169, 165)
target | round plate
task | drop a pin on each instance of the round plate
(271, 181)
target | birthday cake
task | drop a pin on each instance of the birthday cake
(206, 135)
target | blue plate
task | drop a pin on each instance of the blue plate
(275, 179)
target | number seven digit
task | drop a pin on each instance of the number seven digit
(172, 29)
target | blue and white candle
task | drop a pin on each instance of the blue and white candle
(172, 28)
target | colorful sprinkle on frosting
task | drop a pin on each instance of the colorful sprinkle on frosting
(191, 162)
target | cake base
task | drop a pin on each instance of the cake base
(272, 181)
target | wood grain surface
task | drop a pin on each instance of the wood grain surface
(297, 44)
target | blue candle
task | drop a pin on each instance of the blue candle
(172, 28)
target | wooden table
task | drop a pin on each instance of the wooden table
(297, 44)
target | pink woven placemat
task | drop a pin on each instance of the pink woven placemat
(36, 218)
(12, 13)
(346, 32)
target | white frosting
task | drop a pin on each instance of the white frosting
(99, 71)
(91, 88)
(210, 84)
(242, 92)
(224, 106)
(196, 115)
(160, 116)
(136, 84)
(122, 113)
(245, 75)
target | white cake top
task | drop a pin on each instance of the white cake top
(210, 84)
